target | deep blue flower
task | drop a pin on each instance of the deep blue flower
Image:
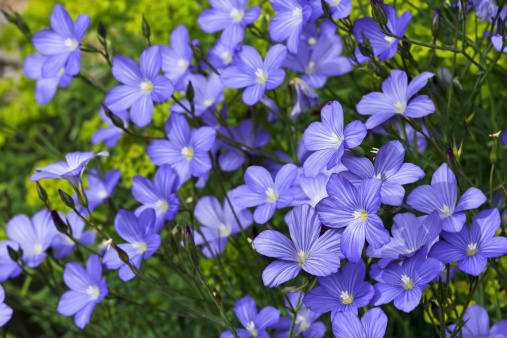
(305, 97)
(388, 167)
(250, 71)
(87, 289)
(229, 16)
(394, 99)
(8, 268)
(476, 321)
(110, 134)
(100, 190)
(218, 224)
(63, 245)
(141, 86)
(373, 324)
(45, 88)
(307, 250)
(176, 59)
(409, 235)
(34, 236)
(319, 58)
(342, 291)
(254, 323)
(5, 311)
(260, 190)
(355, 209)
(61, 43)
(339, 8)
(471, 247)
(405, 282)
(287, 24)
(186, 151)
(441, 195)
(329, 139)
(142, 240)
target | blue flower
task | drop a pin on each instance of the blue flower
(142, 240)
(186, 151)
(340, 9)
(319, 58)
(476, 321)
(420, 137)
(100, 190)
(222, 53)
(373, 324)
(5, 311)
(355, 209)
(61, 43)
(261, 191)
(441, 195)
(443, 274)
(110, 134)
(229, 16)
(248, 70)
(159, 195)
(485, 9)
(305, 97)
(287, 24)
(410, 234)
(329, 139)
(342, 291)
(218, 224)
(255, 323)
(471, 247)
(405, 282)
(310, 190)
(307, 250)
(63, 245)
(383, 46)
(45, 88)
(8, 268)
(87, 289)
(176, 59)
(33, 236)
(388, 167)
(394, 99)
(141, 86)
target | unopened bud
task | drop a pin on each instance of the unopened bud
(414, 124)
(326, 8)
(115, 119)
(435, 24)
(146, 31)
(60, 225)
(357, 151)
(122, 255)
(13, 254)
(378, 13)
(43, 195)
(457, 151)
(101, 30)
(435, 310)
(190, 94)
(66, 199)
(189, 240)
(81, 195)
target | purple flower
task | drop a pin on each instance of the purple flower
(355, 209)
(443, 274)
(329, 139)
(110, 134)
(249, 70)
(321, 59)
(310, 190)
(305, 97)
(100, 190)
(394, 99)
(383, 46)
(63, 245)
(218, 224)
(246, 134)
(87, 289)
(420, 138)
(5, 311)
(8, 268)
(71, 170)
(342, 291)
(176, 59)
(471, 247)
(255, 323)
(441, 195)
(287, 24)
(305, 322)
(504, 137)
(271, 107)
(261, 191)
(307, 250)
(141, 86)
(405, 282)
(45, 88)
(476, 321)
(339, 8)
(410, 233)
(61, 43)
(222, 53)
(186, 151)
(485, 9)
(388, 167)
(498, 43)
(207, 94)
(159, 195)
(229, 16)
(33, 236)
(373, 324)
(142, 240)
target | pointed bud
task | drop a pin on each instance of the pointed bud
(435, 310)
(189, 240)
(146, 31)
(326, 8)
(66, 199)
(81, 196)
(15, 255)
(357, 151)
(43, 195)
(122, 254)
(457, 151)
(60, 225)
(378, 13)
(23, 27)
(101, 30)
(435, 24)
(115, 119)
(190, 95)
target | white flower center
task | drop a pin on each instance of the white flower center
(336, 140)
(224, 230)
(251, 329)
(311, 68)
(335, 2)
(312, 41)
(61, 71)
(407, 282)
(261, 75)
(139, 246)
(68, 241)
(187, 152)
(93, 291)
(472, 249)
(146, 86)
(302, 257)
(237, 15)
(301, 323)
(379, 176)
(71, 43)
(410, 250)
(272, 195)
(346, 297)
(390, 40)
(208, 103)
(226, 57)
(162, 205)
(400, 107)
(37, 249)
(102, 194)
(445, 212)
(298, 11)
(360, 214)
(182, 63)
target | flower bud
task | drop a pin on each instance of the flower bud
(190, 94)
(326, 8)
(43, 195)
(146, 31)
(60, 225)
(378, 13)
(66, 199)
(115, 119)
(435, 310)
(101, 30)
(13, 254)
(81, 196)
(188, 240)
(435, 24)
(122, 254)
(457, 151)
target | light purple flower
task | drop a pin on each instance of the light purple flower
(441, 195)
(63, 245)
(310, 190)
(250, 71)
(394, 99)
(476, 321)
(260, 190)
(305, 97)
(420, 138)
(373, 324)
(100, 190)
(5, 311)
(87, 289)
(110, 134)
(222, 53)
(339, 8)
(8, 268)
(176, 60)
(485, 9)
(471, 247)
(288, 22)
